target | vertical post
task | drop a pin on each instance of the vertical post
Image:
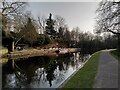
(12, 46)
(119, 44)
(119, 27)
(13, 63)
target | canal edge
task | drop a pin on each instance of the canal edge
(74, 72)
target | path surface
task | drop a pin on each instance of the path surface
(107, 76)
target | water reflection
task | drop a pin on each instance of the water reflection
(41, 72)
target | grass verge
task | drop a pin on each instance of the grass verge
(84, 78)
(116, 54)
(4, 53)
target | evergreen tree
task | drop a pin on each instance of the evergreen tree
(50, 27)
(29, 32)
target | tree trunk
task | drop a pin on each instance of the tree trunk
(13, 46)
(119, 42)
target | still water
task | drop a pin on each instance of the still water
(41, 72)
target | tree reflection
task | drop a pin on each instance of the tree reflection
(41, 69)
(50, 72)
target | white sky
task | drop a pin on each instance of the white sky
(81, 14)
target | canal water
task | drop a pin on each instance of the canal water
(41, 72)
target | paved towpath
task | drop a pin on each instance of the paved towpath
(107, 75)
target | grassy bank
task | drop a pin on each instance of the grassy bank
(3, 51)
(116, 54)
(84, 78)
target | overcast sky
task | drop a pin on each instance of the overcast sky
(81, 14)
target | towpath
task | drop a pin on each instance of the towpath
(107, 75)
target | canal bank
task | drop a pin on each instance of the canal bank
(84, 77)
(36, 52)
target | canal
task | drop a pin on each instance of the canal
(41, 72)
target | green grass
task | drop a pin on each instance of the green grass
(85, 77)
(116, 54)
(3, 53)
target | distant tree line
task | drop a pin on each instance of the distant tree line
(22, 28)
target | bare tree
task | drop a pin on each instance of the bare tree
(19, 23)
(12, 8)
(108, 19)
(75, 35)
(9, 12)
(67, 37)
(41, 24)
(59, 22)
